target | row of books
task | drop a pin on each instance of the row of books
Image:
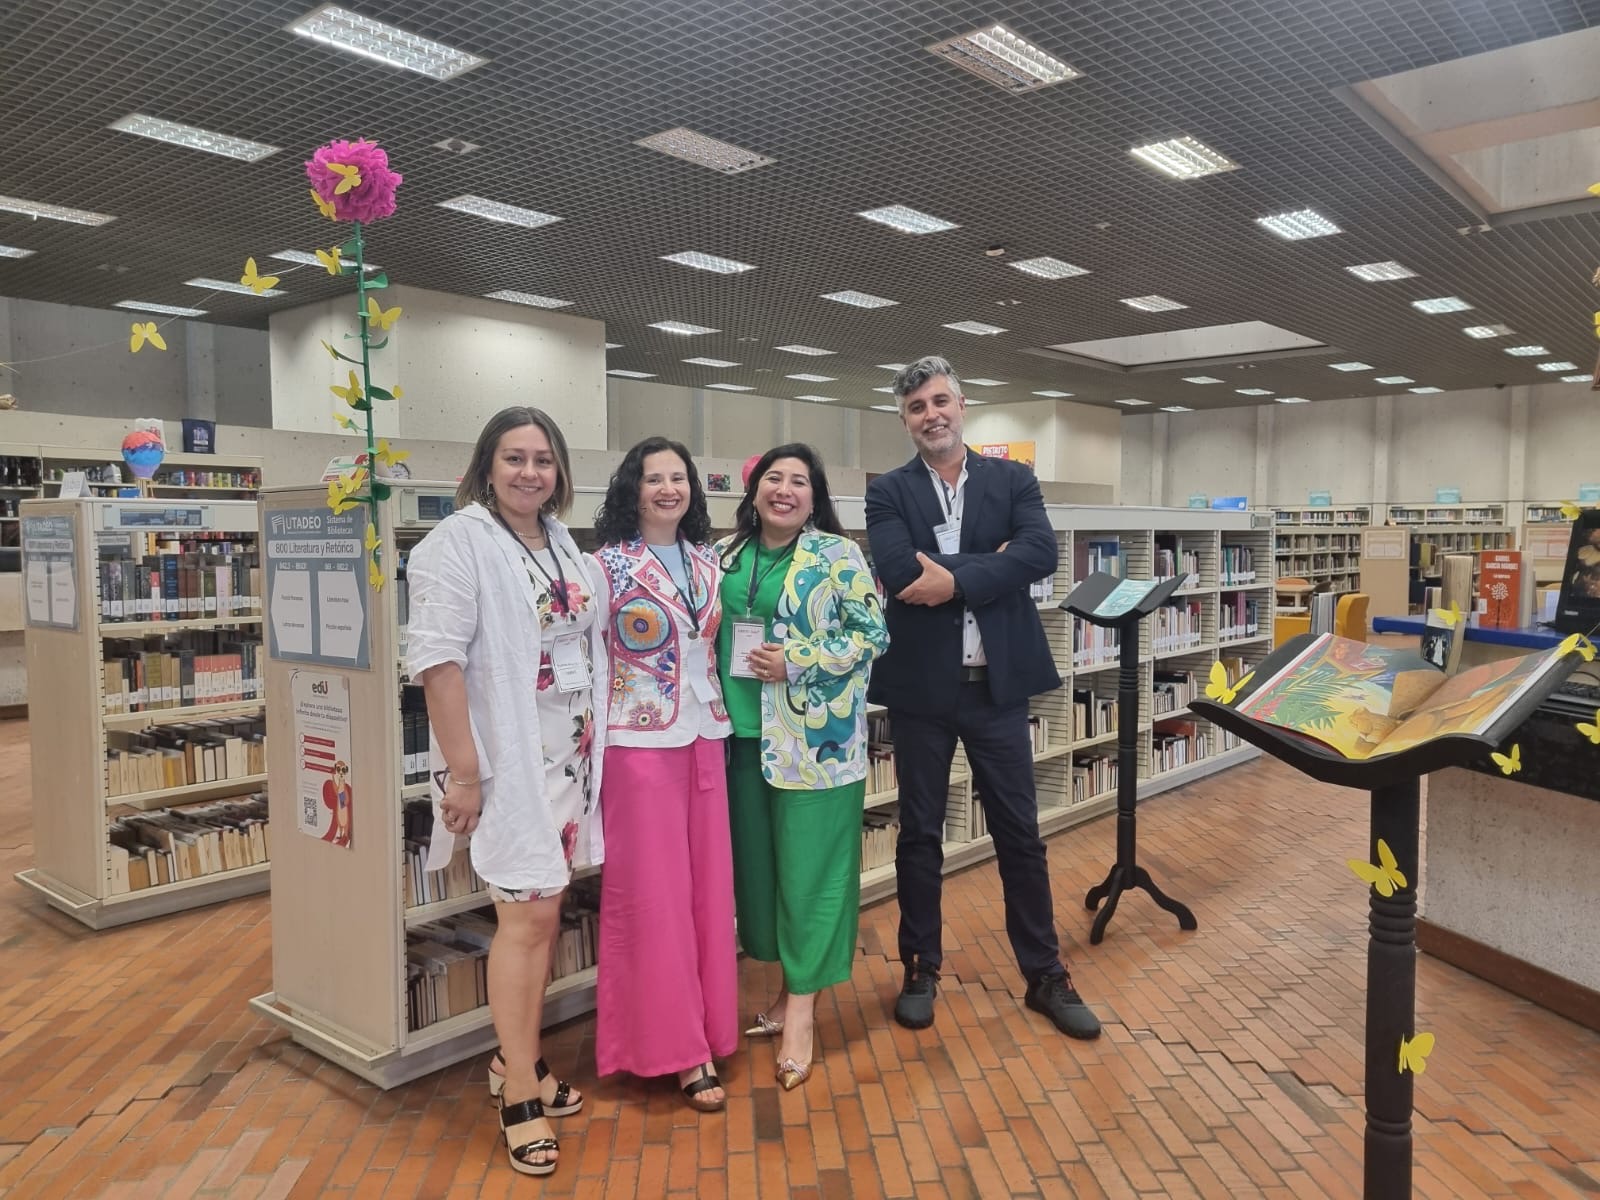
(1172, 559)
(172, 756)
(192, 666)
(1238, 566)
(1093, 645)
(1175, 626)
(429, 887)
(1092, 715)
(1093, 774)
(1171, 691)
(1038, 733)
(1043, 590)
(1238, 616)
(169, 845)
(1176, 744)
(1096, 554)
(880, 832)
(414, 749)
(180, 587)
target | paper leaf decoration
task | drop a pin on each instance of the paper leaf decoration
(1386, 876)
(1592, 732)
(1414, 1053)
(1218, 688)
(347, 422)
(1570, 511)
(332, 261)
(381, 490)
(349, 177)
(142, 332)
(383, 318)
(325, 207)
(1576, 642)
(255, 282)
(333, 353)
(1509, 764)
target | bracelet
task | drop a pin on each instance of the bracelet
(454, 778)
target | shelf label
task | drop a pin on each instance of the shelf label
(1589, 493)
(49, 566)
(1320, 500)
(316, 584)
(1199, 500)
(160, 518)
(1230, 503)
(324, 771)
(1444, 495)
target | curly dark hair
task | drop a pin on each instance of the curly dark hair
(617, 518)
(747, 522)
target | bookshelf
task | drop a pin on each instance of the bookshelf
(142, 624)
(1321, 545)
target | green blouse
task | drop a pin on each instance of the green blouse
(741, 694)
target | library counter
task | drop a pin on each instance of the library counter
(1484, 644)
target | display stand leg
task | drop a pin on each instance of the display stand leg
(1127, 873)
(1391, 997)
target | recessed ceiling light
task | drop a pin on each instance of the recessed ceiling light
(1553, 367)
(708, 262)
(1201, 379)
(1527, 351)
(630, 374)
(494, 210)
(1254, 391)
(1298, 225)
(614, 346)
(889, 390)
(1486, 331)
(987, 382)
(1153, 304)
(1135, 402)
(704, 151)
(894, 408)
(170, 310)
(814, 351)
(1046, 267)
(1580, 377)
(907, 220)
(1351, 366)
(14, 252)
(977, 327)
(1176, 408)
(528, 298)
(1380, 272)
(1394, 379)
(971, 402)
(1054, 395)
(1292, 400)
(1441, 304)
(813, 378)
(307, 259)
(455, 145)
(355, 34)
(892, 366)
(859, 299)
(1424, 391)
(1184, 158)
(53, 212)
(711, 362)
(682, 327)
(228, 285)
(820, 399)
(1002, 58)
(730, 387)
(196, 139)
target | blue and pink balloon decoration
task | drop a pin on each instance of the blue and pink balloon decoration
(143, 451)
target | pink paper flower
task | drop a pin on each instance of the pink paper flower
(372, 198)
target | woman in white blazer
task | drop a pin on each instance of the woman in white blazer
(505, 637)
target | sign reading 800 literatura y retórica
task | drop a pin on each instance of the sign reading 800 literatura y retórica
(49, 560)
(317, 586)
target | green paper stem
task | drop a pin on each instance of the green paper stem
(372, 497)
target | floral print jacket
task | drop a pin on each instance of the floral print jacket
(830, 622)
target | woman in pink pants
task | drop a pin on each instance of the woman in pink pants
(667, 988)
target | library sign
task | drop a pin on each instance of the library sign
(316, 584)
(49, 558)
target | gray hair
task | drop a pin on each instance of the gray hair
(911, 377)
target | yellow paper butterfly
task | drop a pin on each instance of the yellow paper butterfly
(375, 575)
(388, 456)
(1218, 689)
(1414, 1053)
(397, 393)
(325, 207)
(1450, 617)
(381, 317)
(372, 536)
(1509, 764)
(1594, 189)
(350, 395)
(1386, 876)
(256, 283)
(145, 331)
(1576, 641)
(349, 177)
(1592, 732)
(1597, 318)
(338, 497)
(1570, 511)
(331, 260)
(346, 422)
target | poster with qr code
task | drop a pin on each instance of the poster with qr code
(324, 772)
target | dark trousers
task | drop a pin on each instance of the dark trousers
(1001, 754)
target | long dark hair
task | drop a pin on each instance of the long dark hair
(474, 485)
(617, 518)
(747, 523)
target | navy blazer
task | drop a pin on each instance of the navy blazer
(921, 673)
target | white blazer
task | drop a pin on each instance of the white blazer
(473, 604)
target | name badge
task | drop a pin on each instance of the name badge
(747, 636)
(571, 667)
(949, 535)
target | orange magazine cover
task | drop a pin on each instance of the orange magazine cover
(1500, 588)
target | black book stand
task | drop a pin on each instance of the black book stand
(1394, 784)
(1106, 600)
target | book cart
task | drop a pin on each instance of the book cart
(142, 622)
(348, 921)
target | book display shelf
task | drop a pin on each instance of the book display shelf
(142, 641)
(1321, 544)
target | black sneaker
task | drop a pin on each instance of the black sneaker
(1055, 997)
(914, 1008)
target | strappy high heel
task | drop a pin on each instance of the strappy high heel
(522, 1153)
(764, 1027)
(791, 1074)
(562, 1106)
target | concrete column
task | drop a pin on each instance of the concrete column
(699, 437)
(1158, 458)
(1266, 415)
(1517, 404)
(1382, 437)
(200, 371)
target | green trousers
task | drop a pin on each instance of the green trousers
(796, 872)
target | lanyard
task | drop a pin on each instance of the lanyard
(688, 574)
(757, 580)
(558, 594)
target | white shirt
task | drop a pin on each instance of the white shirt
(952, 502)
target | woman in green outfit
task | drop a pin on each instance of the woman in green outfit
(801, 626)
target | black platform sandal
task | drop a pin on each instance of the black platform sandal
(522, 1154)
(564, 1105)
(696, 1088)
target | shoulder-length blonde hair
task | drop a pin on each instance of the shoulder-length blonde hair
(474, 485)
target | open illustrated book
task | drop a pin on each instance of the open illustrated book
(1362, 701)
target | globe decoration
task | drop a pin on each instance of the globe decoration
(143, 451)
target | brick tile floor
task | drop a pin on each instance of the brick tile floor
(1230, 1066)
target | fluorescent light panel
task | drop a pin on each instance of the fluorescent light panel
(691, 147)
(1558, 366)
(1184, 158)
(1054, 395)
(494, 210)
(819, 399)
(977, 327)
(169, 310)
(1153, 304)
(1293, 400)
(1424, 391)
(228, 285)
(1394, 379)
(813, 351)
(987, 382)
(1298, 225)
(194, 138)
(529, 298)
(1253, 391)
(354, 34)
(1201, 379)
(614, 346)
(730, 387)
(711, 362)
(52, 212)
(630, 374)
(14, 252)
(1176, 408)
(894, 408)
(1135, 402)
(1045, 267)
(1441, 304)
(907, 220)
(892, 366)
(683, 328)
(859, 299)
(1351, 366)
(1527, 351)
(708, 262)
(805, 378)
(1486, 331)
(999, 56)
(307, 259)
(1381, 272)
(1580, 377)
(889, 390)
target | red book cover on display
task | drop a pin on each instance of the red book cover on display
(1500, 589)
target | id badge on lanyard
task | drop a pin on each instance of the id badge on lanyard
(570, 664)
(748, 635)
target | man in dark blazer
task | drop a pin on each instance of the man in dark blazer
(957, 539)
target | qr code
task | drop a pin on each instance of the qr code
(308, 810)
